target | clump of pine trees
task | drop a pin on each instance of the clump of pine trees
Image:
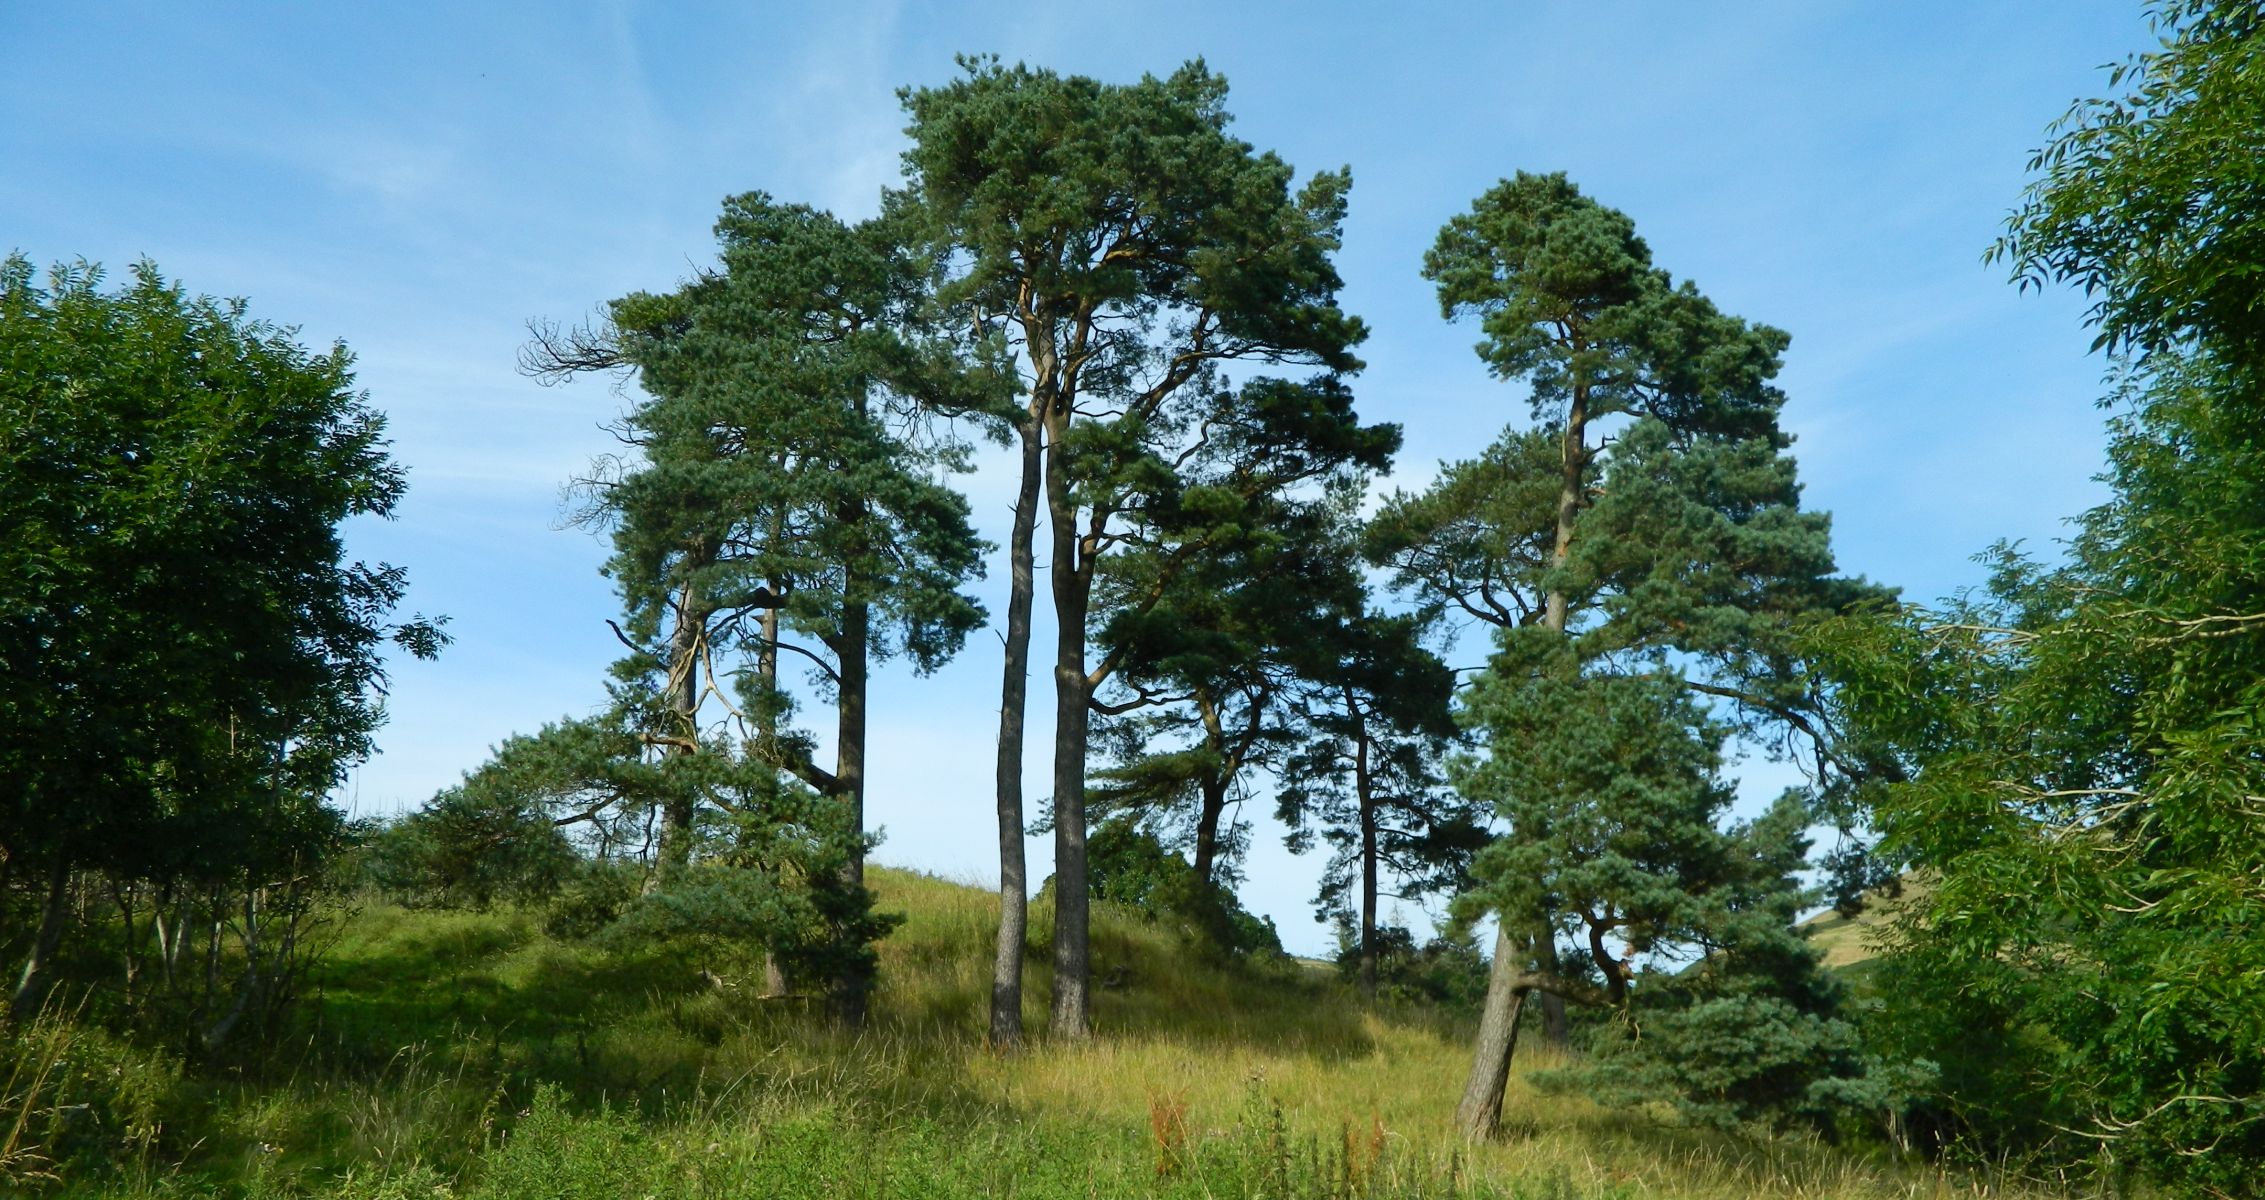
(2063, 766)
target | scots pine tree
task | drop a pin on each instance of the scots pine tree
(781, 502)
(1374, 728)
(1641, 541)
(1127, 250)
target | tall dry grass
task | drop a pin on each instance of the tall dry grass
(440, 1047)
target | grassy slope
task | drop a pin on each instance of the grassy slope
(1852, 946)
(470, 1054)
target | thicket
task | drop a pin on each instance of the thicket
(2080, 746)
(189, 662)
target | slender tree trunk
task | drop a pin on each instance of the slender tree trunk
(32, 984)
(1072, 1012)
(123, 897)
(1364, 791)
(1573, 467)
(767, 728)
(851, 992)
(683, 698)
(249, 985)
(1480, 1111)
(1014, 692)
(849, 745)
(168, 941)
(1212, 810)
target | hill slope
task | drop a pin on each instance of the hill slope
(469, 1055)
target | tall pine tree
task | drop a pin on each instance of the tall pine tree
(1651, 545)
(778, 493)
(1127, 249)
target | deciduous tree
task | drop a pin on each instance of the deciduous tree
(2086, 738)
(189, 661)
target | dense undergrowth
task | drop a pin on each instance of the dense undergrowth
(472, 1055)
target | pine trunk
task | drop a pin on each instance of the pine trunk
(1481, 1109)
(1212, 797)
(1556, 1031)
(683, 698)
(1364, 792)
(849, 732)
(1072, 1013)
(767, 730)
(1214, 810)
(850, 992)
(1014, 690)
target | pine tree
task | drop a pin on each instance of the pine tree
(1374, 725)
(779, 492)
(1650, 544)
(1126, 248)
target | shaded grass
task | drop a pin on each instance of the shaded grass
(454, 1054)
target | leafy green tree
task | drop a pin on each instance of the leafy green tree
(1644, 534)
(2085, 738)
(1124, 248)
(188, 660)
(2153, 201)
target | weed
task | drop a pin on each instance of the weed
(1168, 1128)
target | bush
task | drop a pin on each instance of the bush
(1447, 971)
(457, 854)
(1756, 1034)
(556, 1155)
(1129, 866)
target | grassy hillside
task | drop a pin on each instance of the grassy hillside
(1852, 944)
(469, 1055)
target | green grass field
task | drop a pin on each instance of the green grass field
(468, 1055)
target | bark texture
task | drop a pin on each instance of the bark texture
(1072, 586)
(1014, 694)
(1480, 1111)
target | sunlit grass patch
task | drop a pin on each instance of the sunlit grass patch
(469, 1056)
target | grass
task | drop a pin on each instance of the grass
(470, 1056)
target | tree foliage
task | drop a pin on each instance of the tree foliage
(1641, 544)
(188, 659)
(2085, 736)
(1221, 605)
(1374, 723)
(781, 498)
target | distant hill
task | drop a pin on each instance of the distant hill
(1850, 942)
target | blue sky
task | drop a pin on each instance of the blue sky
(419, 180)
